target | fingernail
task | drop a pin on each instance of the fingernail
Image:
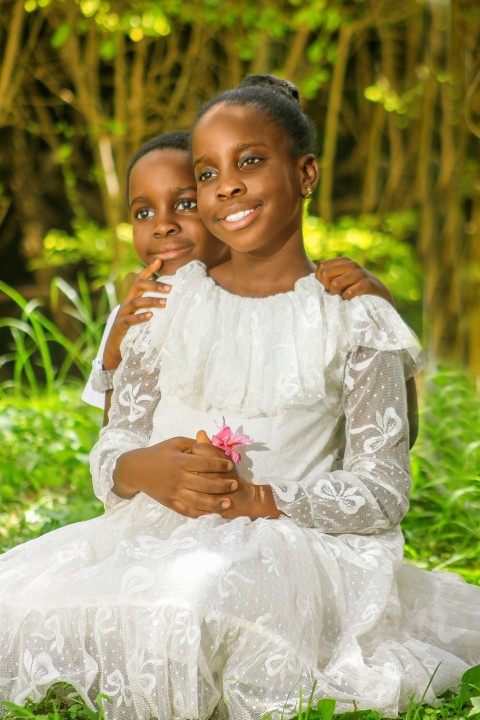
(225, 504)
(234, 485)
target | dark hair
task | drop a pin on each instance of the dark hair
(277, 98)
(175, 140)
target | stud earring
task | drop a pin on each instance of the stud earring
(308, 194)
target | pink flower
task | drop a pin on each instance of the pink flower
(227, 441)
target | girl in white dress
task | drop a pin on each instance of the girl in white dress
(227, 593)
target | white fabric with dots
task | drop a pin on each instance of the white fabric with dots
(179, 618)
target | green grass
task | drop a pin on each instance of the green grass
(44, 464)
(442, 528)
(62, 702)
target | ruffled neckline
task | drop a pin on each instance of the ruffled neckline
(196, 269)
(261, 356)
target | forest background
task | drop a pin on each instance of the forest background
(394, 90)
(393, 87)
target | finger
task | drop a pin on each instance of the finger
(352, 291)
(202, 438)
(341, 282)
(204, 503)
(131, 307)
(209, 484)
(186, 510)
(326, 277)
(335, 269)
(135, 319)
(151, 269)
(363, 287)
(208, 450)
(142, 301)
(324, 267)
(198, 465)
(140, 287)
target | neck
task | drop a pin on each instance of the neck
(250, 275)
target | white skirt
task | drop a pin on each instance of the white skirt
(177, 618)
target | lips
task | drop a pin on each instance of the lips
(172, 251)
(238, 218)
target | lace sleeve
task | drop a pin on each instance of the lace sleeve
(370, 494)
(134, 399)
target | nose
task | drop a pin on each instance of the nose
(230, 186)
(165, 227)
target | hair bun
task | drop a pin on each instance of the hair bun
(284, 87)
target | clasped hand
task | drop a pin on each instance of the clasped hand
(193, 479)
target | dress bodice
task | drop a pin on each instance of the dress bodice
(318, 384)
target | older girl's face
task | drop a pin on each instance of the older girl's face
(163, 204)
(250, 188)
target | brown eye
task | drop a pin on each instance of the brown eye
(249, 161)
(143, 214)
(186, 204)
(205, 175)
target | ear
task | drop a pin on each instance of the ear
(309, 174)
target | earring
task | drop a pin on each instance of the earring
(308, 194)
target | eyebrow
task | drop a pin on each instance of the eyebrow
(241, 146)
(176, 191)
(188, 188)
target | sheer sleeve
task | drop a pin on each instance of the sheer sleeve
(134, 399)
(370, 494)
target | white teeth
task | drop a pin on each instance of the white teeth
(238, 216)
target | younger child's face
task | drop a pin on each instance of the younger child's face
(163, 204)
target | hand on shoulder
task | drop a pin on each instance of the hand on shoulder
(128, 313)
(345, 277)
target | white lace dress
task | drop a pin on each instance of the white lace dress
(188, 618)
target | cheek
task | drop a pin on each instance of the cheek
(205, 199)
(204, 241)
(139, 243)
(207, 216)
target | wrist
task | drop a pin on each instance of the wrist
(265, 502)
(122, 485)
(101, 379)
(111, 362)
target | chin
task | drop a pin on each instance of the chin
(170, 267)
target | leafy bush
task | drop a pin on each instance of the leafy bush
(44, 465)
(41, 356)
(442, 528)
(89, 246)
(381, 245)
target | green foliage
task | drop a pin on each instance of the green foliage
(381, 245)
(62, 702)
(452, 707)
(44, 466)
(41, 356)
(442, 528)
(91, 246)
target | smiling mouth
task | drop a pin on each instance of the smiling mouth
(172, 251)
(238, 216)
